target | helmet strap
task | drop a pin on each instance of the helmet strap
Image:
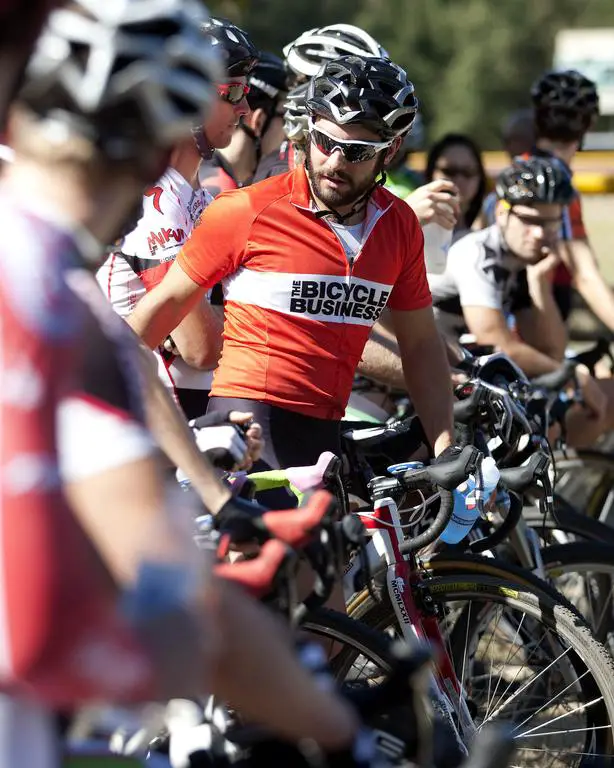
(257, 140)
(205, 150)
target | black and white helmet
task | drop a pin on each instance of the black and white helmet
(313, 48)
(534, 180)
(295, 115)
(235, 48)
(129, 74)
(368, 91)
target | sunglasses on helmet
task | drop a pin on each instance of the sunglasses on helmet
(353, 151)
(233, 93)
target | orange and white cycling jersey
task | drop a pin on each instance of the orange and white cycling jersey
(297, 312)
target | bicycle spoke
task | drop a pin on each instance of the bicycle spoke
(580, 708)
(537, 645)
(503, 668)
(524, 687)
(569, 730)
(548, 703)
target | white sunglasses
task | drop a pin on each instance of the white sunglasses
(353, 150)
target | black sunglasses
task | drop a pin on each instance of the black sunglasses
(352, 151)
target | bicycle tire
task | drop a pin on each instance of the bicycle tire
(569, 520)
(555, 557)
(588, 477)
(460, 562)
(543, 605)
(355, 635)
(409, 726)
(587, 557)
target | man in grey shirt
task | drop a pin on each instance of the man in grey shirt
(498, 284)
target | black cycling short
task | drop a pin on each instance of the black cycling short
(292, 439)
(193, 402)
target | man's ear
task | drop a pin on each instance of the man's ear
(392, 150)
(256, 120)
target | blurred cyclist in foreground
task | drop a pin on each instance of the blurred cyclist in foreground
(109, 601)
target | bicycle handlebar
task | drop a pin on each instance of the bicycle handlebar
(436, 528)
(446, 476)
(557, 379)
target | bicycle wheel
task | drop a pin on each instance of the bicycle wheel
(365, 660)
(524, 657)
(586, 479)
(584, 573)
(365, 653)
(566, 524)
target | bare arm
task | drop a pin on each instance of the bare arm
(580, 259)
(198, 337)
(541, 326)
(163, 308)
(121, 511)
(489, 327)
(427, 375)
(172, 434)
(381, 361)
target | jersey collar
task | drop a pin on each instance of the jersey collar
(537, 152)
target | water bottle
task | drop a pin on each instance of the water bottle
(490, 477)
(466, 511)
(437, 241)
(464, 514)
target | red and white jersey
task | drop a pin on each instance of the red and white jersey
(61, 633)
(170, 209)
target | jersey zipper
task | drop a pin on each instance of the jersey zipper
(349, 272)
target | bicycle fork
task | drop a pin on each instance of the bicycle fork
(414, 622)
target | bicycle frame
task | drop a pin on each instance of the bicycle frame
(414, 621)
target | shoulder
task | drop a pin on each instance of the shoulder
(249, 202)
(162, 198)
(473, 247)
(34, 288)
(215, 176)
(396, 208)
(273, 164)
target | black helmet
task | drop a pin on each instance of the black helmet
(535, 180)
(368, 91)
(237, 51)
(268, 81)
(268, 87)
(565, 105)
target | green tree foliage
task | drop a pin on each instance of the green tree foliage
(472, 61)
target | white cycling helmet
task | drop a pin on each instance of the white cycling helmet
(131, 75)
(306, 55)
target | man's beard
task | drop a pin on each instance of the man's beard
(335, 198)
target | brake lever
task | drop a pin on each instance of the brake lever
(501, 411)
